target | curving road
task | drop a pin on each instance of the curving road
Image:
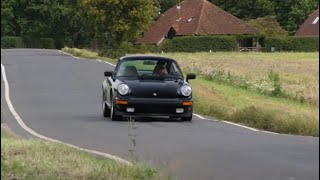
(59, 96)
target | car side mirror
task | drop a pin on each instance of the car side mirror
(191, 76)
(108, 73)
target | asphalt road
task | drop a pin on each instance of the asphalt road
(59, 96)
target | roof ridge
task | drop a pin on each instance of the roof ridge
(204, 1)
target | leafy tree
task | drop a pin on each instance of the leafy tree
(268, 25)
(6, 17)
(292, 13)
(80, 28)
(116, 21)
(164, 5)
(45, 18)
(299, 14)
(246, 9)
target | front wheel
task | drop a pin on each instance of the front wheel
(188, 118)
(105, 108)
(113, 115)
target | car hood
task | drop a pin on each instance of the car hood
(154, 88)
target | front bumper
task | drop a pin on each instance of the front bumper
(154, 107)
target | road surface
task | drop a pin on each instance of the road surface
(59, 96)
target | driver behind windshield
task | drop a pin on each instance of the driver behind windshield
(160, 69)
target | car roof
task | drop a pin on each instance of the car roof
(142, 57)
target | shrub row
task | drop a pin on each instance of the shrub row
(12, 42)
(31, 42)
(229, 43)
(128, 48)
(200, 43)
(292, 43)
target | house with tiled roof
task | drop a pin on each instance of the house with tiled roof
(196, 17)
(310, 27)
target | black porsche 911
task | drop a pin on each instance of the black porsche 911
(143, 86)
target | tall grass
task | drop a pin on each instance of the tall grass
(298, 72)
(254, 109)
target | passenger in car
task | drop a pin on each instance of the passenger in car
(130, 71)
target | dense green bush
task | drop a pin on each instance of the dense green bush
(59, 43)
(292, 43)
(200, 43)
(32, 42)
(11, 42)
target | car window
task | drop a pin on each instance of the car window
(131, 68)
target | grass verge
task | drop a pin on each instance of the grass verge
(87, 54)
(36, 159)
(255, 110)
(299, 73)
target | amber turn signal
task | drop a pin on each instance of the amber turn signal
(187, 103)
(122, 102)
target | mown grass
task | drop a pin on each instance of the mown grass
(294, 110)
(36, 159)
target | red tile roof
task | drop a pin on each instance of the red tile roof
(310, 27)
(198, 17)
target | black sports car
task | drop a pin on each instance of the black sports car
(147, 86)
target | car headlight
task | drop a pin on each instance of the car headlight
(186, 90)
(123, 89)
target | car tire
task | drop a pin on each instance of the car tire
(188, 118)
(113, 115)
(105, 108)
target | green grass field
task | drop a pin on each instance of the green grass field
(236, 87)
(36, 159)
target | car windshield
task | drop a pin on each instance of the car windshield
(146, 69)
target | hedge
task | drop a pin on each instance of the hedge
(46, 43)
(292, 43)
(59, 43)
(128, 48)
(31, 42)
(11, 42)
(200, 43)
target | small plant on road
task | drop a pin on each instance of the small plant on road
(133, 135)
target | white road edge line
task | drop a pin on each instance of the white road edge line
(269, 132)
(235, 124)
(109, 63)
(68, 54)
(24, 126)
(203, 118)
(246, 127)
(199, 116)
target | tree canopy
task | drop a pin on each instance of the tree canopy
(99, 23)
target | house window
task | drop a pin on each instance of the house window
(172, 32)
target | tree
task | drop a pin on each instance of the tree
(164, 5)
(246, 9)
(34, 18)
(6, 17)
(116, 21)
(268, 25)
(299, 14)
(292, 13)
